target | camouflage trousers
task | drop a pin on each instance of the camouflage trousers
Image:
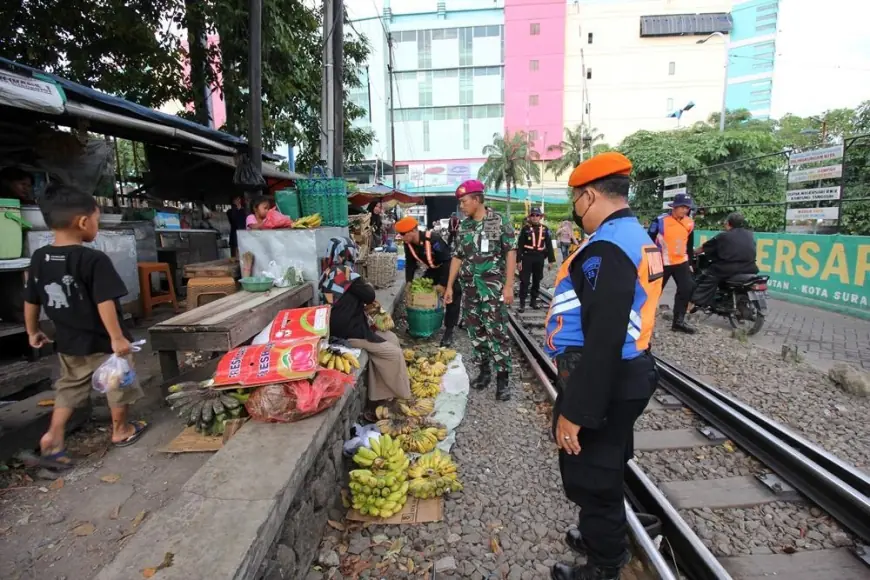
(486, 320)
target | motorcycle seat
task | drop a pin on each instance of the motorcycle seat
(741, 280)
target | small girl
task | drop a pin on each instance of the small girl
(260, 207)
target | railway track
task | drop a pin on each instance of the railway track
(793, 473)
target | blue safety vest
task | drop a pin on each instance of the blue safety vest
(564, 326)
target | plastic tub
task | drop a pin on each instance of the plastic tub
(256, 283)
(11, 226)
(33, 215)
(423, 323)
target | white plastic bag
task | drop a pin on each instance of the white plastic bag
(115, 372)
(363, 435)
(287, 273)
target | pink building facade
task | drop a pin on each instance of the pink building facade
(535, 70)
(218, 109)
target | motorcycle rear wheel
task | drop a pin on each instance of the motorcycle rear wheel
(738, 322)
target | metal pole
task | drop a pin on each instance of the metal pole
(724, 111)
(327, 120)
(255, 126)
(392, 116)
(338, 89)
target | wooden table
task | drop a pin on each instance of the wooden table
(222, 325)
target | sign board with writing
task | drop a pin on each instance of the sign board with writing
(814, 194)
(666, 205)
(669, 193)
(831, 272)
(816, 173)
(29, 93)
(675, 180)
(812, 213)
(816, 155)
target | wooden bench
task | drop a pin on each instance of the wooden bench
(222, 325)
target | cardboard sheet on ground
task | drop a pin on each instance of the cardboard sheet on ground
(189, 441)
(450, 404)
(416, 511)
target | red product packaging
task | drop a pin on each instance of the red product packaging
(301, 323)
(263, 364)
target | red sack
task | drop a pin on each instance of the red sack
(265, 364)
(297, 400)
(275, 220)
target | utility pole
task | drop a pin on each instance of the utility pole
(338, 89)
(392, 114)
(327, 106)
(255, 71)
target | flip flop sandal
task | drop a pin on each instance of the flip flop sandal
(59, 461)
(139, 427)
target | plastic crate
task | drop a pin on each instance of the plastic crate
(423, 323)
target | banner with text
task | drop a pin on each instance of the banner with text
(831, 272)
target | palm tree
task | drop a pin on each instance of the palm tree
(509, 160)
(577, 143)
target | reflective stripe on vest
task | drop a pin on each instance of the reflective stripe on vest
(427, 244)
(564, 323)
(673, 238)
(537, 243)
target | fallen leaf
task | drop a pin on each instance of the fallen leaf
(138, 519)
(149, 572)
(688, 411)
(335, 525)
(168, 557)
(380, 539)
(729, 447)
(116, 512)
(395, 548)
(85, 529)
(111, 478)
(56, 484)
(46, 403)
(494, 545)
(410, 565)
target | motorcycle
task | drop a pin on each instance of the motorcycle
(742, 299)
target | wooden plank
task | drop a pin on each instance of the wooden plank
(22, 424)
(728, 492)
(807, 565)
(193, 317)
(250, 324)
(259, 299)
(11, 329)
(20, 375)
(213, 268)
(671, 439)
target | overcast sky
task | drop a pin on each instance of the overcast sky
(823, 56)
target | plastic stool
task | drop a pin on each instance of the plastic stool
(149, 300)
(212, 288)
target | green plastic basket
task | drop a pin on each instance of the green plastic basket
(256, 283)
(287, 201)
(423, 323)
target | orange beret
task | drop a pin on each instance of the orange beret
(406, 224)
(598, 167)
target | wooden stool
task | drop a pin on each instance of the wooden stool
(211, 288)
(149, 300)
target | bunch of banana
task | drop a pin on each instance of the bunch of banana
(380, 487)
(416, 407)
(309, 221)
(335, 359)
(444, 355)
(426, 285)
(383, 321)
(438, 369)
(433, 475)
(395, 426)
(383, 412)
(425, 389)
(440, 428)
(409, 355)
(206, 409)
(420, 440)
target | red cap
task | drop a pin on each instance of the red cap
(470, 186)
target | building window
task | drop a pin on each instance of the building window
(672, 68)
(465, 46)
(533, 135)
(588, 73)
(765, 27)
(534, 29)
(589, 38)
(424, 49)
(533, 65)
(424, 89)
(670, 106)
(425, 135)
(533, 100)
(466, 87)
(466, 134)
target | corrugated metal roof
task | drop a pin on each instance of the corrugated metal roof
(685, 24)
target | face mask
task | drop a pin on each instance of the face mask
(578, 219)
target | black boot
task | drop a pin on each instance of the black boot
(502, 387)
(447, 339)
(650, 523)
(483, 378)
(522, 307)
(534, 305)
(680, 324)
(588, 571)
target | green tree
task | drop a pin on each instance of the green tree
(509, 161)
(573, 149)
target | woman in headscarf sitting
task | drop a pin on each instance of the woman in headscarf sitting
(348, 293)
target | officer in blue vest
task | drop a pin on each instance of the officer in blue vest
(598, 330)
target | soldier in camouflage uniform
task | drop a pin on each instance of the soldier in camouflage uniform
(484, 260)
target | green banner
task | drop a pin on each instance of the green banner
(831, 272)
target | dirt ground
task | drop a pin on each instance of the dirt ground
(69, 528)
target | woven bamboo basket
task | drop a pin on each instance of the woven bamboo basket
(381, 269)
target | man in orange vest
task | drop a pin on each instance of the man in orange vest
(430, 251)
(674, 234)
(534, 246)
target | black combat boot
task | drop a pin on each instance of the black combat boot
(483, 378)
(502, 387)
(680, 324)
(522, 306)
(447, 339)
(534, 305)
(588, 571)
(650, 523)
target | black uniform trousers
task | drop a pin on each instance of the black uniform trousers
(533, 268)
(440, 276)
(593, 479)
(682, 275)
(705, 290)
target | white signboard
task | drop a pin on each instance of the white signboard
(676, 180)
(816, 173)
(666, 205)
(814, 194)
(31, 94)
(812, 213)
(669, 193)
(825, 154)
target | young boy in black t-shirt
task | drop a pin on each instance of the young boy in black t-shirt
(79, 289)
